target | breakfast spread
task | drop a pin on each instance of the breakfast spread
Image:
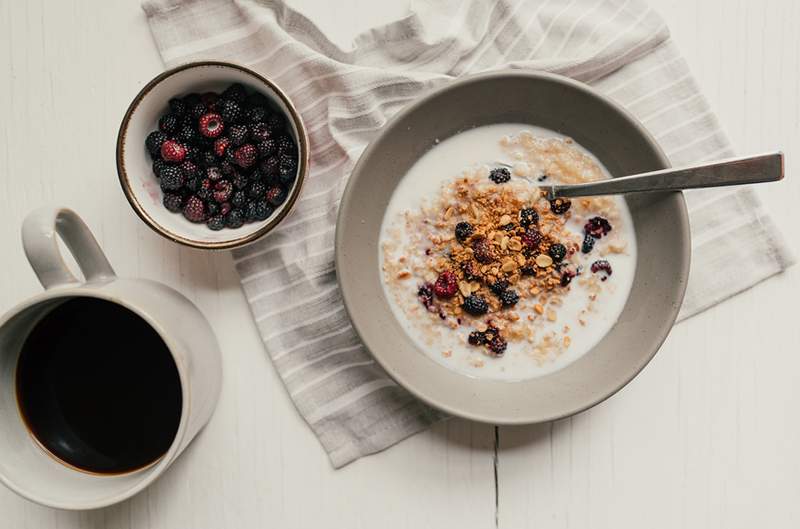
(224, 159)
(487, 275)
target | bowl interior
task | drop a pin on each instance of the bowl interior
(660, 222)
(135, 165)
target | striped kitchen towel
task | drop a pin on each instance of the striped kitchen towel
(621, 47)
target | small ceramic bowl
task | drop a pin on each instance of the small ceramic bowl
(134, 164)
(619, 142)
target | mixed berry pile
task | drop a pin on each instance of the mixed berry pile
(223, 159)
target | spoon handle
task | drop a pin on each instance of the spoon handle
(734, 171)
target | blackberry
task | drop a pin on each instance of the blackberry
(214, 173)
(158, 166)
(212, 208)
(286, 177)
(270, 166)
(476, 338)
(239, 198)
(257, 114)
(275, 122)
(425, 295)
(497, 345)
(557, 251)
(256, 190)
(222, 191)
(463, 231)
(209, 99)
(193, 153)
(509, 298)
(235, 92)
(267, 148)
(259, 132)
(192, 184)
(172, 178)
(189, 169)
(509, 227)
(531, 238)
(168, 123)
(177, 106)
(216, 223)
(263, 210)
(196, 109)
(287, 161)
(230, 110)
(500, 175)
(173, 202)
(482, 251)
(234, 219)
(528, 270)
(559, 206)
(256, 99)
(240, 181)
(245, 156)
(588, 243)
(237, 134)
(194, 209)
(154, 141)
(227, 168)
(475, 305)
(470, 271)
(498, 287)
(204, 194)
(188, 134)
(528, 216)
(286, 144)
(208, 158)
(566, 277)
(597, 227)
(250, 211)
(276, 196)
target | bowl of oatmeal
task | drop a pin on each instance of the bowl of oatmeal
(474, 291)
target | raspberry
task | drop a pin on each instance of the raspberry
(211, 125)
(275, 196)
(234, 219)
(168, 123)
(263, 210)
(267, 148)
(498, 287)
(220, 146)
(214, 173)
(235, 92)
(528, 216)
(154, 141)
(237, 134)
(275, 122)
(257, 114)
(216, 223)
(597, 227)
(172, 151)
(172, 178)
(194, 209)
(500, 175)
(446, 285)
(177, 106)
(602, 266)
(475, 305)
(259, 132)
(557, 251)
(476, 338)
(559, 206)
(482, 250)
(588, 243)
(509, 298)
(222, 191)
(231, 110)
(245, 156)
(173, 202)
(497, 345)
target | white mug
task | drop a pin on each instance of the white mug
(25, 467)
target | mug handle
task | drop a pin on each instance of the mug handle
(39, 232)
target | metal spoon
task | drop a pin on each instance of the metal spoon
(733, 171)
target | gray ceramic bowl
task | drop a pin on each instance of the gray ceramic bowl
(660, 221)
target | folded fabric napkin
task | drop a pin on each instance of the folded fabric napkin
(621, 47)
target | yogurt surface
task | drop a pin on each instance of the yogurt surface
(552, 328)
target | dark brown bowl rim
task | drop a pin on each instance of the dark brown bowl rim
(302, 170)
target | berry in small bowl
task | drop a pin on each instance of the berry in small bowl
(211, 155)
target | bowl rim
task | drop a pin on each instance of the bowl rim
(302, 169)
(346, 204)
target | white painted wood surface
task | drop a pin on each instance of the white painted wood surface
(706, 436)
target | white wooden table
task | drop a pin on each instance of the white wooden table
(706, 436)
